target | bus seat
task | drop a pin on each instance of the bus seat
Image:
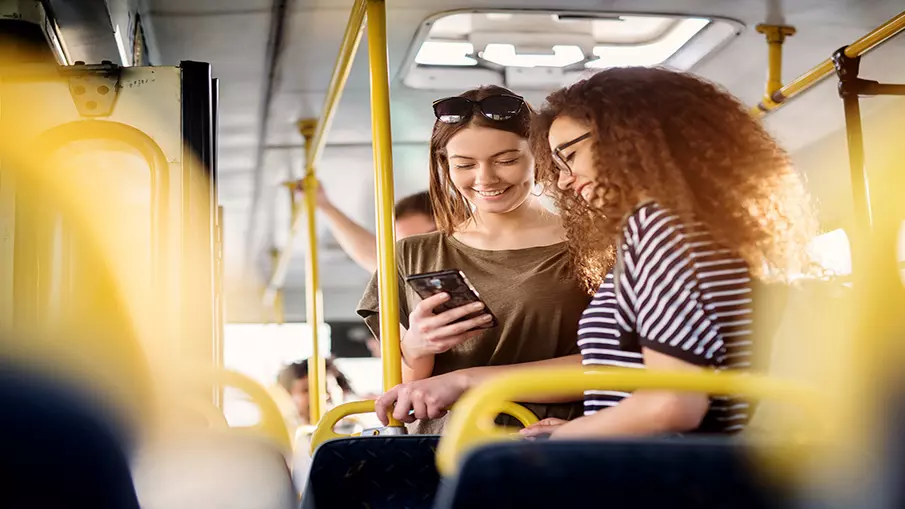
(223, 469)
(58, 448)
(678, 473)
(379, 472)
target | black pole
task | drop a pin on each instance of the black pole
(850, 88)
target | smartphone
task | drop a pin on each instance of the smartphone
(460, 290)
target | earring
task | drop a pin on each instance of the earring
(538, 190)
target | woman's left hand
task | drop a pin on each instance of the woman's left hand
(429, 398)
(543, 427)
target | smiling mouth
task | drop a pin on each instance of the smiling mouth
(581, 190)
(495, 192)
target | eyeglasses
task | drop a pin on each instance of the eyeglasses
(501, 107)
(558, 157)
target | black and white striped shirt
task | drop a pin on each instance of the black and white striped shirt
(679, 294)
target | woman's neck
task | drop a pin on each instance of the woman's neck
(530, 214)
(529, 225)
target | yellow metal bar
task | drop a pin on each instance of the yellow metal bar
(824, 69)
(472, 424)
(383, 177)
(521, 414)
(341, 70)
(317, 387)
(325, 431)
(271, 424)
(775, 35)
(351, 38)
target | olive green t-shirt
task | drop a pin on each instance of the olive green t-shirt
(531, 292)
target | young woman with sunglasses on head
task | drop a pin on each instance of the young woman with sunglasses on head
(494, 228)
(699, 200)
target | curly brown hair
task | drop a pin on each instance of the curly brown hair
(692, 147)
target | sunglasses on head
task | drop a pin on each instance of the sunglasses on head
(453, 110)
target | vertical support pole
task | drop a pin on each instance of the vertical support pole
(317, 388)
(219, 305)
(847, 69)
(7, 247)
(383, 178)
(279, 312)
(776, 35)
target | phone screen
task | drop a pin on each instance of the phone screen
(456, 284)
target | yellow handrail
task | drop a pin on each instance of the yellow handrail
(347, 49)
(272, 423)
(822, 70)
(472, 424)
(372, 12)
(325, 428)
(325, 431)
(317, 371)
(388, 289)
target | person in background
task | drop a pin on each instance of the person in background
(294, 378)
(414, 216)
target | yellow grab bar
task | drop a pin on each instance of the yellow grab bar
(271, 424)
(521, 414)
(347, 49)
(472, 424)
(374, 13)
(822, 70)
(325, 431)
(388, 288)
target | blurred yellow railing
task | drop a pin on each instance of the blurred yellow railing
(472, 423)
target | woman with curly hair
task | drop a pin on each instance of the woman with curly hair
(698, 201)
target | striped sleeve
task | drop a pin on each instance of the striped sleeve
(662, 298)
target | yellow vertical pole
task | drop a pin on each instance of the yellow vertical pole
(279, 312)
(317, 388)
(383, 178)
(775, 35)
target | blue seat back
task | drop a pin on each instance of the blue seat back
(374, 472)
(58, 450)
(674, 473)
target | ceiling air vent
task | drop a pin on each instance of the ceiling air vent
(541, 50)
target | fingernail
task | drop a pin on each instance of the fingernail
(477, 305)
(444, 295)
(486, 318)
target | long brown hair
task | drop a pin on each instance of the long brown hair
(692, 147)
(451, 209)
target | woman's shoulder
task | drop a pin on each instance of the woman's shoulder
(415, 245)
(413, 250)
(650, 215)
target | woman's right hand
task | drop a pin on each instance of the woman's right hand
(430, 334)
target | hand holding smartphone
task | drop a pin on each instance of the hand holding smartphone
(460, 290)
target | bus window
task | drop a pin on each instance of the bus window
(833, 252)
